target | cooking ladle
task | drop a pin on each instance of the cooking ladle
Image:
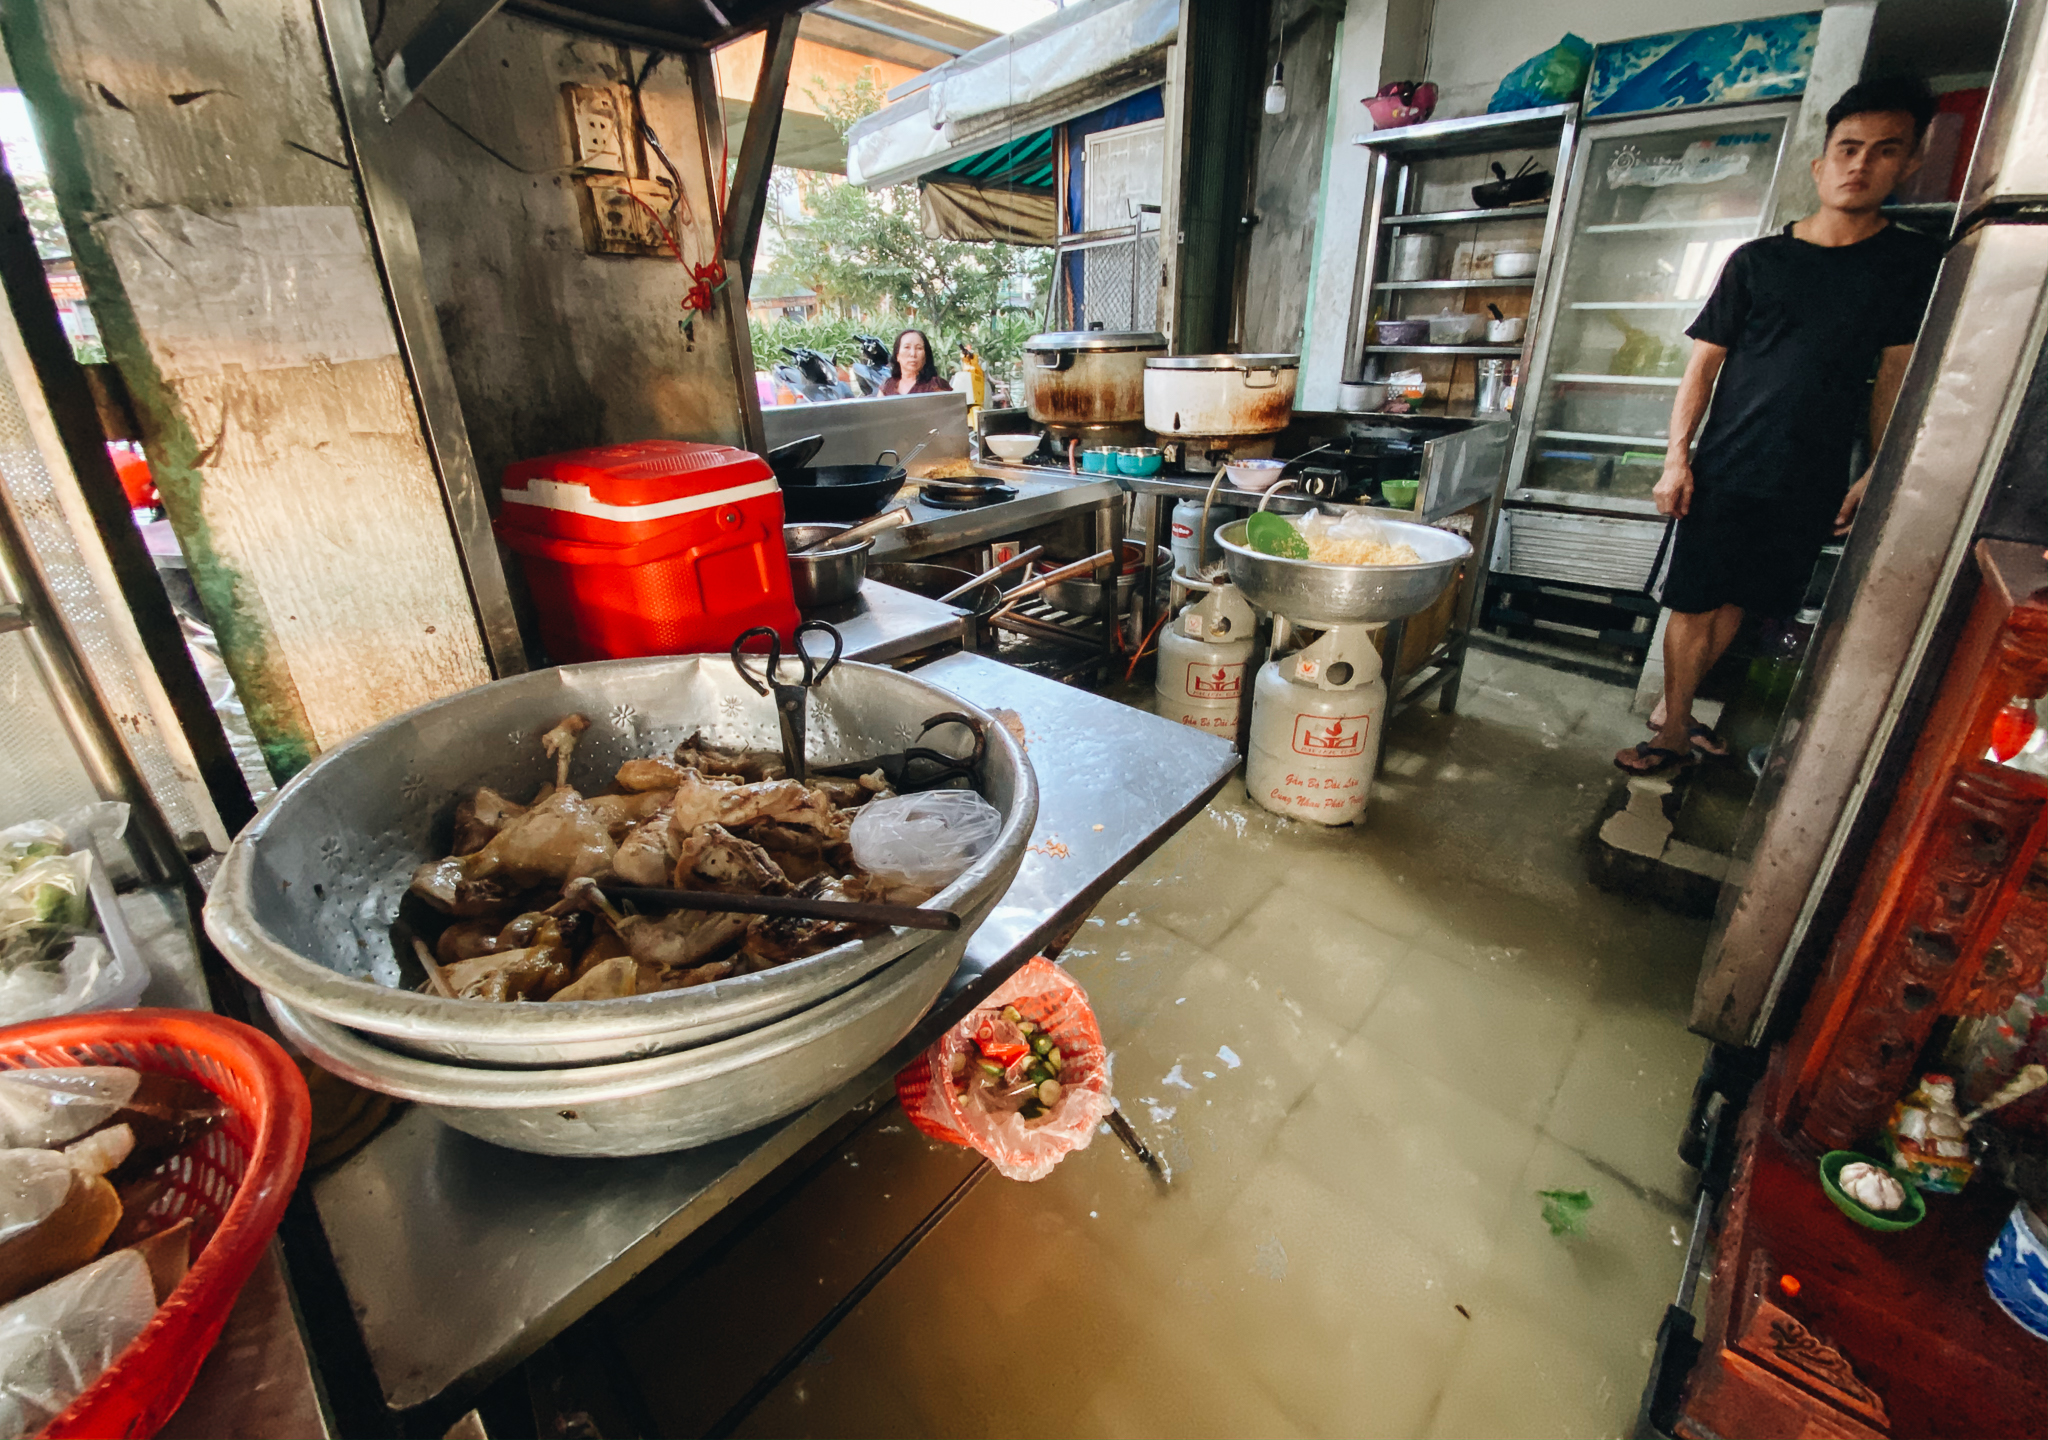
(1022, 557)
(887, 520)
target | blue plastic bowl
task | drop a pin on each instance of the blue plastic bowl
(1138, 464)
(1096, 462)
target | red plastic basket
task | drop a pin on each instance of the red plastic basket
(233, 1184)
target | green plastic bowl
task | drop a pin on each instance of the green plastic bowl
(1907, 1216)
(1400, 493)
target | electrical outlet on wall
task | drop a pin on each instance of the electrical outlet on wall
(615, 224)
(597, 127)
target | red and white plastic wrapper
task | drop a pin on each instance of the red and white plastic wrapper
(1022, 1149)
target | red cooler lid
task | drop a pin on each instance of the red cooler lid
(638, 481)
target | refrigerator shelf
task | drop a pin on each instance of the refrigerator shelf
(1443, 349)
(1654, 442)
(1490, 283)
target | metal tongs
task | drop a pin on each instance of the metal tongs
(920, 768)
(791, 698)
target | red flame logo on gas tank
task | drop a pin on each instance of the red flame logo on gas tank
(1217, 682)
(1330, 738)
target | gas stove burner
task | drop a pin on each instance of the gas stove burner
(960, 495)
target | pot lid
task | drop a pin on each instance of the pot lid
(1097, 340)
(1224, 362)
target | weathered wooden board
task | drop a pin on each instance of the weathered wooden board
(1287, 190)
(198, 159)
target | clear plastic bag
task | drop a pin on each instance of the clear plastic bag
(926, 839)
(945, 1109)
(33, 1183)
(57, 1340)
(41, 1109)
(54, 897)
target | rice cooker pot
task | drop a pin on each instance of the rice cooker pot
(1076, 378)
(1202, 395)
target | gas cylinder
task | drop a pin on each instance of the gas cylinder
(1202, 656)
(1189, 553)
(1316, 720)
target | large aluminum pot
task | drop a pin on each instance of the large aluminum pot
(1200, 395)
(669, 1102)
(1078, 378)
(306, 897)
(1319, 596)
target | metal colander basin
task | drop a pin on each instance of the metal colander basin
(1319, 596)
(306, 897)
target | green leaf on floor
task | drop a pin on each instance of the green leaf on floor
(1564, 1211)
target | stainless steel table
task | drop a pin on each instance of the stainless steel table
(1042, 496)
(461, 1259)
(883, 623)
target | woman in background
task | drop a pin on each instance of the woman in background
(911, 371)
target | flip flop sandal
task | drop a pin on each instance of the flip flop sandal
(1665, 761)
(1707, 740)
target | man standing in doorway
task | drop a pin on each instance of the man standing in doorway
(1797, 325)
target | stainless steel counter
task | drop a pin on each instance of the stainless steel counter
(1042, 496)
(882, 623)
(461, 1259)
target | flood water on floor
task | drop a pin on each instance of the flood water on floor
(1362, 1053)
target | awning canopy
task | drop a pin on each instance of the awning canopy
(1008, 90)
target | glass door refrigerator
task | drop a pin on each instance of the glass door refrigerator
(1657, 204)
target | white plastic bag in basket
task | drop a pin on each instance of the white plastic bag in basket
(57, 1340)
(926, 839)
(45, 1108)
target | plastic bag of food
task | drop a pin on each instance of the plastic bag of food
(57, 1340)
(1555, 77)
(44, 1108)
(21, 845)
(926, 839)
(1353, 538)
(944, 1095)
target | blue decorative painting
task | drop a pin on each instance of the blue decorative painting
(1718, 65)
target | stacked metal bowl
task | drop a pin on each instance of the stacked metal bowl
(306, 901)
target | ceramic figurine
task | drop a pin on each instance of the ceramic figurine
(1927, 1139)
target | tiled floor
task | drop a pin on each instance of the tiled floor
(1362, 1052)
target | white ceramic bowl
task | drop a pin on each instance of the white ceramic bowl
(1359, 396)
(1514, 264)
(1009, 448)
(1254, 475)
(1505, 332)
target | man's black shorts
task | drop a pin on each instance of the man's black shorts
(1736, 550)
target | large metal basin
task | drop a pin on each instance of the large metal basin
(669, 1102)
(1319, 596)
(305, 899)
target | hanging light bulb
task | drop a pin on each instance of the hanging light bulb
(1276, 94)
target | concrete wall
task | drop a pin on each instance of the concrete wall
(554, 348)
(1287, 182)
(1472, 43)
(1379, 40)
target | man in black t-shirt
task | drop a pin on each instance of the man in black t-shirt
(1797, 325)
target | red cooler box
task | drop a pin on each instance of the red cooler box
(658, 547)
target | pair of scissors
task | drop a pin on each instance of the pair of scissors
(922, 768)
(791, 699)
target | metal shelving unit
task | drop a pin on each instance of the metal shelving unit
(1443, 350)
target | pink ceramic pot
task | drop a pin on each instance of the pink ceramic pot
(1401, 102)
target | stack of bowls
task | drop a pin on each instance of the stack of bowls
(306, 906)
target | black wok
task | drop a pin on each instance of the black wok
(813, 493)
